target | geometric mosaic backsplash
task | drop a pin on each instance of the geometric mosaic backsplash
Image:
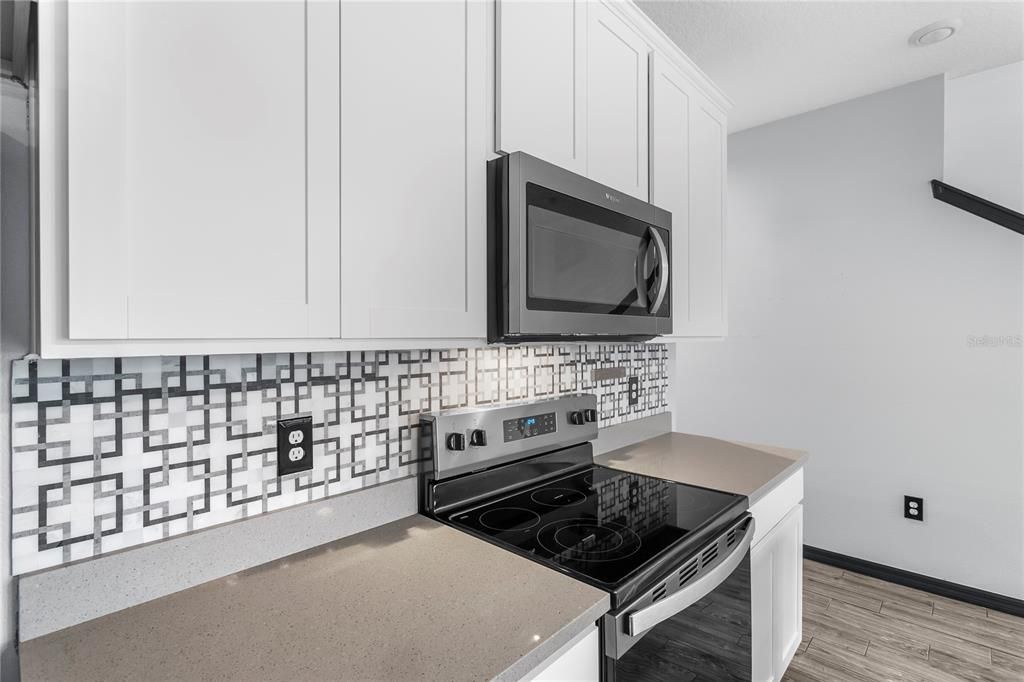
(115, 452)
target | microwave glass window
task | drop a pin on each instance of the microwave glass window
(583, 258)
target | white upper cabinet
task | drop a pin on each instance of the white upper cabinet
(189, 214)
(617, 123)
(413, 169)
(707, 310)
(280, 175)
(541, 80)
(671, 95)
(688, 137)
(571, 88)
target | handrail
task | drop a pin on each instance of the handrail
(983, 208)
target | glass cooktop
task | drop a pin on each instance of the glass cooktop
(600, 524)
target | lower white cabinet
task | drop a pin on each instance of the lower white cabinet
(776, 576)
(579, 662)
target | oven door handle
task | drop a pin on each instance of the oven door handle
(646, 618)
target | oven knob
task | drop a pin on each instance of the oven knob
(576, 418)
(590, 414)
(455, 441)
(478, 437)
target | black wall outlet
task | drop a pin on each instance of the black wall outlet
(913, 508)
(634, 390)
(294, 445)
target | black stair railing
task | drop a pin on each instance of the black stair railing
(983, 208)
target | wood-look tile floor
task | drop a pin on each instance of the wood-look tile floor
(861, 628)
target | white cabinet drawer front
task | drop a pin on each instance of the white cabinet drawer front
(541, 80)
(187, 168)
(776, 503)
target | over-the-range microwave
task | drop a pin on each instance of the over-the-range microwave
(571, 259)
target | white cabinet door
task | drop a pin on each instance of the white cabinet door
(541, 80)
(776, 568)
(413, 169)
(616, 102)
(706, 313)
(671, 98)
(687, 138)
(188, 213)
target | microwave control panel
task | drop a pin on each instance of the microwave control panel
(528, 427)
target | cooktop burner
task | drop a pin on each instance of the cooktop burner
(600, 524)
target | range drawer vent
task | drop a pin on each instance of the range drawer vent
(730, 538)
(659, 593)
(687, 572)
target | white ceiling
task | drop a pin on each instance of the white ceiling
(777, 59)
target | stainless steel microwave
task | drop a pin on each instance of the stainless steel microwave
(572, 259)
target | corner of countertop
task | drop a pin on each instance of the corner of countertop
(552, 644)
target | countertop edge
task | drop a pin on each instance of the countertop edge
(552, 644)
(796, 459)
(778, 479)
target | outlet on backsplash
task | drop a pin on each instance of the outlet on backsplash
(634, 390)
(294, 445)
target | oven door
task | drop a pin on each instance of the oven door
(583, 260)
(694, 625)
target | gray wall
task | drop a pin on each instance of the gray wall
(852, 297)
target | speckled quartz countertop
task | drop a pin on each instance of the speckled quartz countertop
(409, 600)
(734, 467)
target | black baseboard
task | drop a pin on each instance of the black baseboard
(971, 595)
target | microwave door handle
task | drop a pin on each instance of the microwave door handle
(641, 274)
(646, 618)
(662, 279)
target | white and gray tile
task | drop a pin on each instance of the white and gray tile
(115, 452)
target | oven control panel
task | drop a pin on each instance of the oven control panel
(528, 427)
(472, 439)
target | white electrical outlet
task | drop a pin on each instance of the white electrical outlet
(295, 454)
(295, 437)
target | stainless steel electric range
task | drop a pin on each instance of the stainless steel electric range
(674, 558)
